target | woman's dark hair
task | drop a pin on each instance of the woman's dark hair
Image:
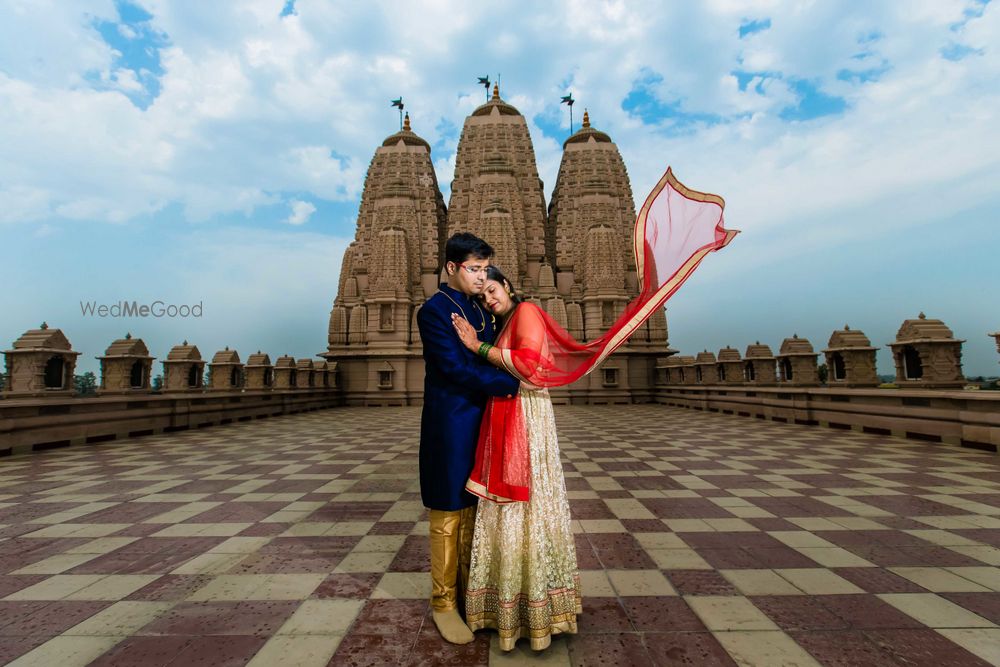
(463, 245)
(493, 273)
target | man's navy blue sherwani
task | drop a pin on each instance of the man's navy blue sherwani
(456, 385)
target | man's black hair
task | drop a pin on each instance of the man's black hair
(463, 245)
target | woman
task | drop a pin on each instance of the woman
(523, 579)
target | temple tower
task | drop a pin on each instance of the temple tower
(573, 258)
(496, 193)
(389, 269)
(591, 224)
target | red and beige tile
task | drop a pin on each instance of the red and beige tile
(702, 539)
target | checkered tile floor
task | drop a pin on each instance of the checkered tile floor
(702, 539)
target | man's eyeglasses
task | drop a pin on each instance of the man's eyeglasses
(474, 269)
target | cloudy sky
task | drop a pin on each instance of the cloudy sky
(215, 153)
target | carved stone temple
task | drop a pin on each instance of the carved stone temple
(572, 257)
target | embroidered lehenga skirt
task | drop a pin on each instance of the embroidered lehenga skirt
(523, 579)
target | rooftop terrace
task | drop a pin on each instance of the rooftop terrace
(702, 539)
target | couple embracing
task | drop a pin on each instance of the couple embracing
(501, 541)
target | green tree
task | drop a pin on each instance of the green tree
(157, 384)
(86, 384)
(824, 373)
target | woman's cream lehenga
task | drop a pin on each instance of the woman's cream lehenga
(523, 579)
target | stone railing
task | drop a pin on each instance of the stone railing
(28, 424)
(40, 407)
(926, 401)
(968, 418)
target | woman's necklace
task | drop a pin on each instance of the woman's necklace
(482, 317)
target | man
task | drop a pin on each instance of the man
(456, 386)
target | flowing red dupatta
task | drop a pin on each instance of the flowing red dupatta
(675, 230)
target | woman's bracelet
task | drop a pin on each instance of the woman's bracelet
(484, 350)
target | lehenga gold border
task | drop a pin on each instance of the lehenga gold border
(539, 635)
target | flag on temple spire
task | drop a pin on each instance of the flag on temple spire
(568, 101)
(398, 103)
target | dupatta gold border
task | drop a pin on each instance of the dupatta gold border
(638, 248)
(639, 240)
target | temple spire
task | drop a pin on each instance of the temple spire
(496, 91)
(406, 122)
(586, 119)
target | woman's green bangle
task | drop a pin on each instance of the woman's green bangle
(484, 350)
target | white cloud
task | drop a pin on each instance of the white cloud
(301, 212)
(49, 43)
(254, 105)
(126, 80)
(20, 202)
(127, 32)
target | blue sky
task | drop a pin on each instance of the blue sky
(215, 153)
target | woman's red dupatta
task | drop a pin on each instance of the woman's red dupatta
(675, 230)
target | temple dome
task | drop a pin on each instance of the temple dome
(795, 346)
(705, 357)
(848, 338)
(923, 329)
(758, 351)
(729, 354)
(497, 103)
(407, 136)
(127, 347)
(586, 133)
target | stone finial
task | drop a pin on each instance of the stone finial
(921, 316)
(185, 342)
(128, 335)
(795, 336)
(406, 122)
(44, 326)
(496, 91)
(586, 119)
(847, 328)
(227, 348)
